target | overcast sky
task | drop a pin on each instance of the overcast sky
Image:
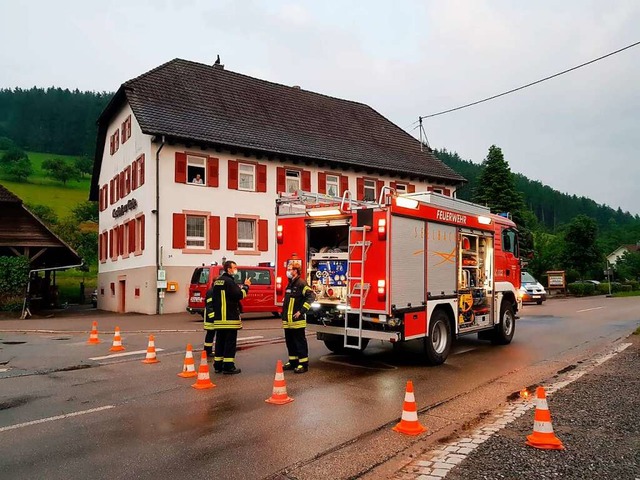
(578, 133)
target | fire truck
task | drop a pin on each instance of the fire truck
(407, 267)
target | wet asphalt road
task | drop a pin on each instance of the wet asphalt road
(132, 420)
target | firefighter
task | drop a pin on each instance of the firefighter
(210, 333)
(225, 297)
(297, 301)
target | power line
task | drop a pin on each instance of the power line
(529, 84)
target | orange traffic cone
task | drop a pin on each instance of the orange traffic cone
(93, 338)
(279, 395)
(204, 381)
(117, 342)
(188, 367)
(151, 351)
(409, 424)
(543, 436)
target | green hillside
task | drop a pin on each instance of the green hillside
(42, 190)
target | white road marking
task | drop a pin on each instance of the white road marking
(257, 337)
(439, 462)
(58, 417)
(4, 370)
(124, 354)
(589, 309)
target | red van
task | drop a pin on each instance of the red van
(261, 297)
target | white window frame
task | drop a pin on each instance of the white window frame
(438, 190)
(369, 185)
(197, 162)
(332, 181)
(292, 175)
(252, 168)
(249, 244)
(401, 188)
(196, 239)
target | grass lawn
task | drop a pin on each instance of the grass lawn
(635, 293)
(40, 189)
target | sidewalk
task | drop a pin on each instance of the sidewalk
(595, 414)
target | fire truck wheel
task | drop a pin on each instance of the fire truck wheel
(504, 331)
(438, 344)
(335, 343)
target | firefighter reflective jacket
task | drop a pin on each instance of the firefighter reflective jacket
(222, 304)
(298, 298)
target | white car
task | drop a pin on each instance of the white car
(531, 290)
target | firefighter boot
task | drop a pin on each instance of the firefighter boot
(217, 365)
(231, 371)
(301, 368)
(291, 364)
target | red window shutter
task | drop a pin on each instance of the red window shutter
(322, 182)
(379, 185)
(132, 236)
(360, 188)
(134, 175)
(116, 187)
(121, 240)
(127, 179)
(111, 192)
(111, 243)
(232, 233)
(262, 177)
(179, 230)
(100, 195)
(116, 141)
(447, 192)
(344, 184)
(100, 247)
(212, 172)
(280, 180)
(142, 232)
(429, 188)
(306, 181)
(121, 186)
(141, 167)
(214, 233)
(111, 145)
(181, 167)
(233, 175)
(123, 131)
(411, 188)
(263, 235)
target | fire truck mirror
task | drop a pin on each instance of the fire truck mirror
(364, 217)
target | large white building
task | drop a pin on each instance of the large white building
(191, 158)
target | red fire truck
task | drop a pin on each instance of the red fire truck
(412, 266)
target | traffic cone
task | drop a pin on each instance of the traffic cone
(409, 424)
(93, 338)
(117, 342)
(204, 381)
(279, 395)
(189, 367)
(543, 436)
(151, 352)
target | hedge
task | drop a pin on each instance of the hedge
(581, 289)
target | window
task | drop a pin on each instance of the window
(510, 241)
(246, 234)
(196, 170)
(369, 190)
(246, 177)
(292, 181)
(333, 185)
(200, 276)
(438, 190)
(401, 188)
(196, 231)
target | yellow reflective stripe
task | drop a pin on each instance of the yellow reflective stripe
(306, 305)
(208, 344)
(305, 289)
(209, 300)
(209, 325)
(228, 359)
(293, 358)
(223, 300)
(290, 311)
(244, 292)
(303, 360)
(217, 359)
(211, 315)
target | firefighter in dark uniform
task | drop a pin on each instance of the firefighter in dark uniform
(297, 301)
(225, 315)
(210, 332)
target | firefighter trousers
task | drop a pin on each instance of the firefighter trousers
(225, 353)
(297, 347)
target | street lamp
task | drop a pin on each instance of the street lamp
(609, 277)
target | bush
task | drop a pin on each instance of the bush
(581, 289)
(11, 303)
(635, 285)
(604, 287)
(625, 288)
(14, 275)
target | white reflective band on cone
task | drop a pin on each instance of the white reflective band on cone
(542, 427)
(409, 397)
(541, 404)
(279, 376)
(410, 416)
(279, 390)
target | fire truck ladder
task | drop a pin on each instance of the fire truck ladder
(358, 289)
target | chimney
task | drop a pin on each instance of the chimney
(297, 87)
(218, 65)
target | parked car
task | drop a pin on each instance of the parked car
(262, 293)
(593, 282)
(531, 290)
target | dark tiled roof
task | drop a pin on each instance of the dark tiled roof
(189, 100)
(7, 196)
